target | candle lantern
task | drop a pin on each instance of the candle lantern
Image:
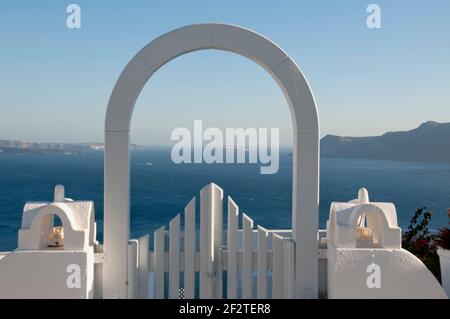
(56, 238)
(364, 237)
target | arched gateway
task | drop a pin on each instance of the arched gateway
(305, 188)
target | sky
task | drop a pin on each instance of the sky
(55, 82)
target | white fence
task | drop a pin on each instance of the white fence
(212, 262)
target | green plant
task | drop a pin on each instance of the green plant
(418, 229)
(420, 241)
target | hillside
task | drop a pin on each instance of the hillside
(429, 142)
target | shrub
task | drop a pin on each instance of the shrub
(419, 241)
(443, 237)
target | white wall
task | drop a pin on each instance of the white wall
(43, 274)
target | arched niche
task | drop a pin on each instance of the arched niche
(35, 237)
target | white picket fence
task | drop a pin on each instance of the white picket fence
(212, 262)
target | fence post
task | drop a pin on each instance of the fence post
(217, 211)
(174, 257)
(189, 250)
(262, 263)
(132, 273)
(277, 272)
(210, 240)
(233, 213)
(159, 256)
(206, 254)
(143, 267)
(247, 269)
(289, 268)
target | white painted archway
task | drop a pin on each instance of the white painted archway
(305, 196)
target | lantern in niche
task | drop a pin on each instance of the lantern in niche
(56, 237)
(363, 234)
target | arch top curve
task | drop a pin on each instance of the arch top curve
(217, 36)
(369, 210)
(61, 210)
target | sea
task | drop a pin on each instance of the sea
(160, 189)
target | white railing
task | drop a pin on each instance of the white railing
(213, 262)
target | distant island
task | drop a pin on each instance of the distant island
(9, 147)
(430, 142)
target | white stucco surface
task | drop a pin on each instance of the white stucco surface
(36, 269)
(43, 274)
(444, 260)
(402, 275)
(382, 269)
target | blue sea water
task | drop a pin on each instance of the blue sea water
(161, 190)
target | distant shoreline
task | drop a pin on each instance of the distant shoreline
(20, 147)
(430, 142)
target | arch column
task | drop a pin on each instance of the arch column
(305, 196)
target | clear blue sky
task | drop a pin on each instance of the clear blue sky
(55, 82)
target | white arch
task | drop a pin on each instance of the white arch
(305, 196)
